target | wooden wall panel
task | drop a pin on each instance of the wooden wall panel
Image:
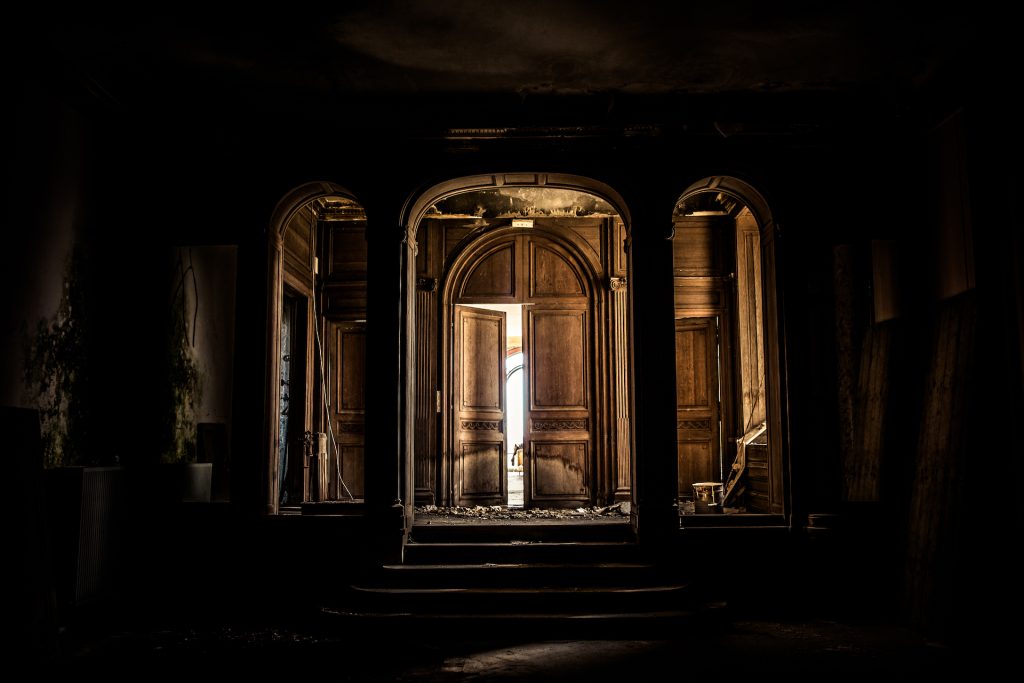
(706, 298)
(353, 470)
(351, 368)
(345, 301)
(586, 234)
(348, 250)
(695, 465)
(298, 244)
(861, 471)
(454, 233)
(344, 285)
(701, 245)
(758, 485)
(591, 234)
(944, 443)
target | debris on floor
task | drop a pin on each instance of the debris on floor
(502, 512)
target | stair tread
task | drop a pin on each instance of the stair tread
(514, 615)
(532, 544)
(520, 590)
(499, 565)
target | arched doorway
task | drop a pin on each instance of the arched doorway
(479, 244)
(316, 330)
(542, 272)
(729, 376)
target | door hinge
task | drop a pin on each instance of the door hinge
(437, 401)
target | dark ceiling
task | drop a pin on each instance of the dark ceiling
(586, 61)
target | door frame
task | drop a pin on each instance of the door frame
(458, 269)
(287, 207)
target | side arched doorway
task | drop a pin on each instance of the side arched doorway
(730, 348)
(315, 344)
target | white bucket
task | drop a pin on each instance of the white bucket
(708, 497)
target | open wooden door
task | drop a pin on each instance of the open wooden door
(480, 474)
(558, 426)
(697, 403)
(348, 407)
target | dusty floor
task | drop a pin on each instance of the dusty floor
(812, 645)
(454, 515)
(753, 645)
(499, 512)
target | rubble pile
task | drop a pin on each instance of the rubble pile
(502, 512)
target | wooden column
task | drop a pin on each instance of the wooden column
(775, 369)
(654, 403)
(429, 260)
(426, 388)
(620, 386)
(388, 425)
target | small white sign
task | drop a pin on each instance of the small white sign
(522, 222)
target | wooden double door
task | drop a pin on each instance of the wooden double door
(557, 338)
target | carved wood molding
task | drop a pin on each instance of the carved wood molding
(426, 284)
(481, 425)
(617, 284)
(560, 425)
(694, 424)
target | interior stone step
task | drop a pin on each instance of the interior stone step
(491, 625)
(536, 599)
(506, 575)
(521, 551)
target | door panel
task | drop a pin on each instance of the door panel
(481, 473)
(479, 403)
(558, 371)
(697, 406)
(559, 470)
(551, 274)
(558, 425)
(495, 275)
(348, 406)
